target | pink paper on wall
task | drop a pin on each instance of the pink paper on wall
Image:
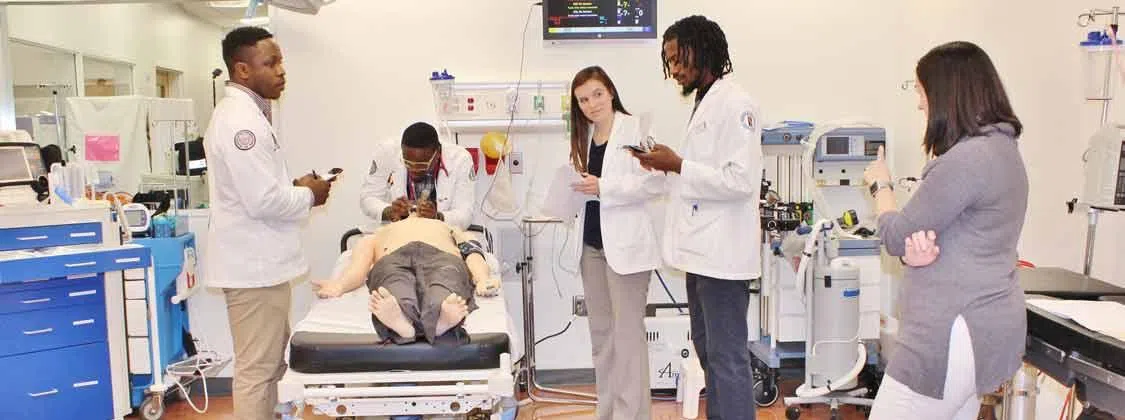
(103, 148)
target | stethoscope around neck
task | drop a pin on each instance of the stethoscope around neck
(432, 174)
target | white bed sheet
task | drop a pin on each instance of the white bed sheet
(349, 314)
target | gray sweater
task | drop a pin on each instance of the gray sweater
(974, 197)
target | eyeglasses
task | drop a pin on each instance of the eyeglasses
(419, 165)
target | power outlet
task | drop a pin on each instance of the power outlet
(516, 162)
(579, 305)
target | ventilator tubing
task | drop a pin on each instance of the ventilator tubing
(805, 391)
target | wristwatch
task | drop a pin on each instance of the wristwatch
(878, 185)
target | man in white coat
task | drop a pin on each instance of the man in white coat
(712, 208)
(420, 174)
(254, 248)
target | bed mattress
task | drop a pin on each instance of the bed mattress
(337, 337)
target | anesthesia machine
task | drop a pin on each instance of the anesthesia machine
(821, 277)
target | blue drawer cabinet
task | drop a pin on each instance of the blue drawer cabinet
(67, 383)
(47, 236)
(95, 260)
(52, 294)
(63, 344)
(27, 332)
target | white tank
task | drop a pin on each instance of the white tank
(835, 322)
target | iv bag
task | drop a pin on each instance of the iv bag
(499, 197)
(1102, 165)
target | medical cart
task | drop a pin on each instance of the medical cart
(62, 327)
(155, 325)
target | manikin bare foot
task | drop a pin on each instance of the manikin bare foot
(385, 307)
(453, 310)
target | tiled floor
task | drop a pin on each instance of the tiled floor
(220, 409)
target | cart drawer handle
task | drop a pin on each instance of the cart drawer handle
(37, 332)
(85, 264)
(83, 234)
(32, 238)
(44, 393)
(32, 301)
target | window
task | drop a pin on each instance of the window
(106, 77)
(43, 77)
(167, 83)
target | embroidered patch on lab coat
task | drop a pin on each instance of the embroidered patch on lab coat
(747, 120)
(245, 140)
(374, 167)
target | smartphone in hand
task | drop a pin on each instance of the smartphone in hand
(332, 174)
(634, 148)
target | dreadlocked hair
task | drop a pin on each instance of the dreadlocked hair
(704, 40)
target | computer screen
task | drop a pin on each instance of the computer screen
(14, 167)
(599, 19)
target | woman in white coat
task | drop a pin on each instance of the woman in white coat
(619, 248)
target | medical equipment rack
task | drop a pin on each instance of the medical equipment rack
(62, 327)
(527, 368)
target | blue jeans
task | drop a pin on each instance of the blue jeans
(718, 331)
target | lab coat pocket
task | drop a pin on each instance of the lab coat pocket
(697, 232)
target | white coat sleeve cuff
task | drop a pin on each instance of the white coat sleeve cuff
(311, 198)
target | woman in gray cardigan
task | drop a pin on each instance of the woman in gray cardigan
(963, 322)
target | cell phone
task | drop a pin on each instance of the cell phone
(332, 173)
(634, 148)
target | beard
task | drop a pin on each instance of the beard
(689, 88)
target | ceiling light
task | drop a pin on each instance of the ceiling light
(230, 4)
(255, 21)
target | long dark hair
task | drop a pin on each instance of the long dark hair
(963, 94)
(706, 42)
(579, 124)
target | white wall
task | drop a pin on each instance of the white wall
(146, 35)
(358, 73)
(352, 84)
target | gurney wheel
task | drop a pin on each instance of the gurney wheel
(152, 408)
(765, 394)
(793, 413)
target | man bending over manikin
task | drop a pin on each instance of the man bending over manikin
(421, 273)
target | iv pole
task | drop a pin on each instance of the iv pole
(1092, 211)
(63, 143)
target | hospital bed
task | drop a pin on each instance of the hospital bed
(337, 366)
(1068, 352)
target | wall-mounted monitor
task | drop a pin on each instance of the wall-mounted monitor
(599, 19)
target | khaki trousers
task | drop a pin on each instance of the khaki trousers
(259, 324)
(615, 305)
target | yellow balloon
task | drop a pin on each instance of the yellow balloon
(494, 144)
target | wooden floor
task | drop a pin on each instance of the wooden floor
(220, 409)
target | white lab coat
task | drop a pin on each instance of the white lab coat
(712, 223)
(386, 181)
(628, 236)
(253, 239)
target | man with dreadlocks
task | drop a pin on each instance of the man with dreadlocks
(713, 205)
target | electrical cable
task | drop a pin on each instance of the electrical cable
(511, 119)
(669, 292)
(567, 327)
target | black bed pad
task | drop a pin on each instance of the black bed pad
(312, 352)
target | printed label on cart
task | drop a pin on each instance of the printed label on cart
(850, 293)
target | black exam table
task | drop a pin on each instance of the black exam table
(1067, 351)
